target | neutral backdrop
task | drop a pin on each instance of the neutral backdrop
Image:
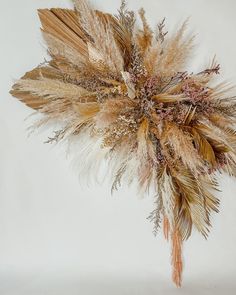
(60, 235)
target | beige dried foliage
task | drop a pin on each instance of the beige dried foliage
(121, 94)
(51, 89)
(179, 145)
(59, 48)
(175, 52)
(144, 36)
(102, 36)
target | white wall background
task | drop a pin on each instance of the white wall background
(59, 236)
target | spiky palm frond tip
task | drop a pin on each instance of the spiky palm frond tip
(126, 88)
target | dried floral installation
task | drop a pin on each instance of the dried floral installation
(125, 89)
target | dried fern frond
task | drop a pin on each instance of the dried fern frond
(124, 92)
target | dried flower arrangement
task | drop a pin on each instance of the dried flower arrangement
(125, 88)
